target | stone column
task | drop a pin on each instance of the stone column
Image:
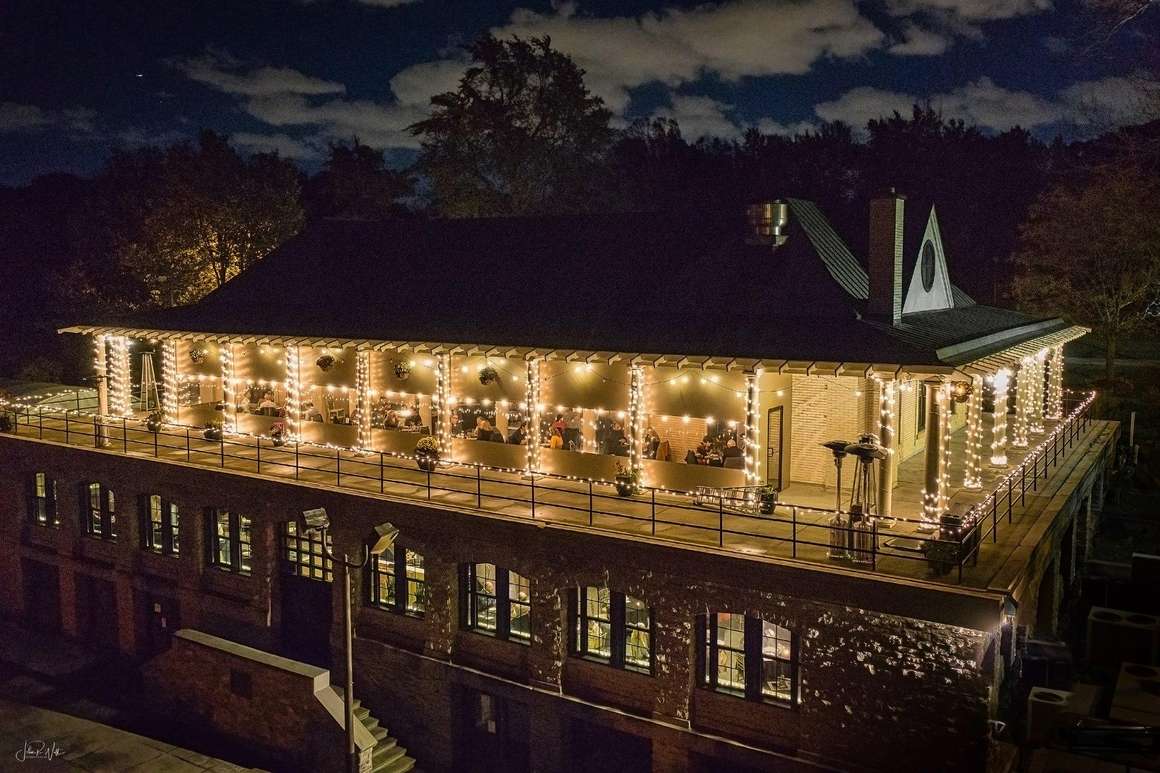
(293, 392)
(1022, 405)
(100, 373)
(120, 394)
(532, 400)
(753, 429)
(934, 496)
(362, 387)
(229, 399)
(887, 421)
(999, 418)
(546, 653)
(1035, 416)
(1055, 384)
(441, 405)
(169, 382)
(636, 412)
(972, 478)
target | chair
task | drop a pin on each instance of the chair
(664, 452)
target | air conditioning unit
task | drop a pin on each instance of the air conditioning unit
(1137, 696)
(1115, 636)
(1044, 709)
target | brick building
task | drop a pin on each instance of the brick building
(619, 559)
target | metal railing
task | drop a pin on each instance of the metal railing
(792, 530)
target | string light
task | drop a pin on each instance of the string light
(227, 361)
(120, 398)
(1000, 382)
(636, 411)
(935, 503)
(752, 427)
(1055, 384)
(532, 435)
(169, 381)
(972, 472)
(362, 385)
(100, 368)
(443, 402)
(293, 393)
(1035, 419)
(1022, 404)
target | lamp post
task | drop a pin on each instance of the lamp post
(316, 520)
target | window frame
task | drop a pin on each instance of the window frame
(310, 546)
(500, 596)
(44, 509)
(241, 560)
(162, 537)
(100, 520)
(618, 630)
(755, 660)
(406, 599)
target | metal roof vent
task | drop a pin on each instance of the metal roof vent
(768, 223)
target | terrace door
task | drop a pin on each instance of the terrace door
(773, 438)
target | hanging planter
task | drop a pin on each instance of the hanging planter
(402, 371)
(961, 390)
(326, 362)
(427, 453)
(198, 355)
(278, 433)
(488, 375)
(153, 423)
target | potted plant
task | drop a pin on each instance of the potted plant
(627, 481)
(488, 375)
(766, 499)
(402, 370)
(213, 431)
(278, 433)
(427, 453)
(153, 423)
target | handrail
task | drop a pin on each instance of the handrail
(801, 528)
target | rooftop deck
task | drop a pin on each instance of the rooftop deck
(1008, 505)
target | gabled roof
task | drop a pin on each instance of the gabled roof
(635, 282)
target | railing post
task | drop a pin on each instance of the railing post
(1022, 484)
(295, 458)
(187, 452)
(66, 425)
(874, 545)
(793, 534)
(96, 431)
(125, 434)
(222, 447)
(156, 446)
(532, 475)
(994, 524)
(1035, 474)
(40, 421)
(591, 503)
(478, 486)
(337, 467)
(258, 446)
(654, 511)
(721, 522)
(381, 472)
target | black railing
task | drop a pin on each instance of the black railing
(788, 529)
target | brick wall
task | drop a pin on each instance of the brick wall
(826, 408)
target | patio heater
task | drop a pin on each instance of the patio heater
(838, 528)
(863, 497)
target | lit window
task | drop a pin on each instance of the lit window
(304, 554)
(497, 602)
(750, 658)
(230, 541)
(613, 628)
(398, 581)
(160, 526)
(100, 515)
(43, 509)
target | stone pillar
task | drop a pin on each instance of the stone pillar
(675, 644)
(1055, 384)
(442, 615)
(532, 435)
(169, 382)
(362, 387)
(293, 393)
(100, 373)
(753, 429)
(636, 413)
(441, 405)
(887, 421)
(972, 470)
(1035, 415)
(1000, 381)
(120, 393)
(1022, 405)
(229, 399)
(934, 495)
(546, 653)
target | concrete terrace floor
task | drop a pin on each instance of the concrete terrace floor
(796, 530)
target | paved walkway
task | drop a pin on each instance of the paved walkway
(35, 739)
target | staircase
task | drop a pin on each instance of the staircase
(388, 756)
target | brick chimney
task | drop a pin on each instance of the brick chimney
(885, 256)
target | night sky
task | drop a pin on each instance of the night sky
(78, 78)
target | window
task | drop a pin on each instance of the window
(43, 509)
(160, 526)
(613, 628)
(927, 266)
(100, 512)
(497, 602)
(304, 553)
(229, 541)
(398, 581)
(750, 658)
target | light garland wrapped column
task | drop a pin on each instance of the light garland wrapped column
(752, 428)
(887, 417)
(1055, 384)
(120, 394)
(100, 373)
(169, 386)
(293, 393)
(972, 470)
(362, 388)
(1035, 419)
(938, 452)
(441, 409)
(534, 409)
(636, 411)
(230, 414)
(999, 382)
(1022, 404)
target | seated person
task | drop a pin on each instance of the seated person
(483, 430)
(518, 435)
(557, 440)
(413, 418)
(691, 458)
(267, 406)
(731, 449)
(652, 441)
(310, 412)
(391, 420)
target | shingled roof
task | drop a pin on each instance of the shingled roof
(636, 282)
